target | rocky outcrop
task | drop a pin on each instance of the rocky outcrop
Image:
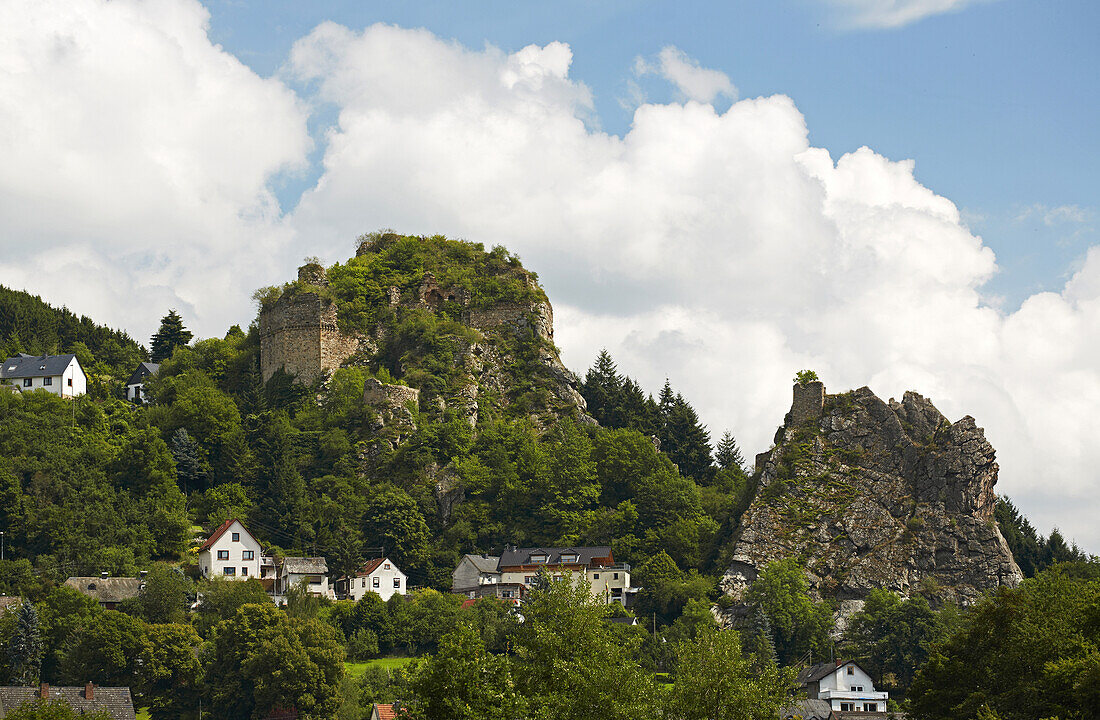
(869, 494)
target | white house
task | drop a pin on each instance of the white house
(608, 580)
(58, 374)
(844, 685)
(135, 386)
(230, 552)
(379, 576)
(312, 570)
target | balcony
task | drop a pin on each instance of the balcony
(854, 695)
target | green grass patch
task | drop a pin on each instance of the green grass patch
(355, 669)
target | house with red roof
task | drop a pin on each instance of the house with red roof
(384, 711)
(380, 576)
(231, 552)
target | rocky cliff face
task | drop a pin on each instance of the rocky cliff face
(874, 494)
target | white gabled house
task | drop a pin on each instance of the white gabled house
(844, 685)
(230, 552)
(58, 374)
(378, 576)
(135, 385)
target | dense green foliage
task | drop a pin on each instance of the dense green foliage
(171, 335)
(1028, 652)
(1032, 552)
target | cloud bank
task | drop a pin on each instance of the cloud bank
(719, 249)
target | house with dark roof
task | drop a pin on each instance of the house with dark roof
(380, 576)
(313, 571)
(57, 374)
(230, 552)
(135, 385)
(107, 591)
(115, 701)
(474, 571)
(593, 565)
(845, 686)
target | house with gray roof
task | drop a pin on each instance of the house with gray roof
(57, 374)
(115, 701)
(596, 566)
(845, 686)
(473, 571)
(107, 591)
(135, 384)
(313, 571)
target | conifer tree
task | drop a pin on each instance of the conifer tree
(683, 438)
(25, 648)
(172, 334)
(602, 390)
(190, 468)
(727, 454)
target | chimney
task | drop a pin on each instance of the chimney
(839, 662)
(44, 691)
(89, 691)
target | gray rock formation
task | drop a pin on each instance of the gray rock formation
(873, 494)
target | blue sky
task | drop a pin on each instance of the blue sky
(998, 103)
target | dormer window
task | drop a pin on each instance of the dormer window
(569, 557)
(538, 558)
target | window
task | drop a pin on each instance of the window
(363, 583)
(538, 558)
(27, 382)
(223, 554)
(248, 555)
(851, 670)
(529, 579)
(374, 582)
(568, 558)
(847, 707)
(595, 576)
(229, 571)
(386, 566)
(70, 382)
(506, 593)
(870, 707)
(856, 688)
(244, 571)
(47, 381)
(616, 576)
(397, 582)
(236, 537)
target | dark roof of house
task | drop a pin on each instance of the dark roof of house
(143, 370)
(25, 366)
(305, 565)
(116, 701)
(807, 710)
(816, 672)
(511, 557)
(10, 602)
(483, 563)
(219, 532)
(107, 590)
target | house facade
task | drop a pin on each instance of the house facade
(135, 385)
(57, 374)
(844, 685)
(595, 566)
(230, 552)
(313, 571)
(380, 576)
(474, 571)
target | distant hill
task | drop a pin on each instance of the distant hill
(31, 325)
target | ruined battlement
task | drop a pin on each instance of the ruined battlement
(299, 334)
(380, 395)
(519, 316)
(808, 402)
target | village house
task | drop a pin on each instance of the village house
(313, 571)
(608, 580)
(115, 701)
(135, 385)
(477, 576)
(106, 590)
(58, 374)
(230, 552)
(844, 685)
(380, 576)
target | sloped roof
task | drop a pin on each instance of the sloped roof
(143, 370)
(221, 531)
(373, 565)
(816, 672)
(26, 366)
(385, 711)
(512, 557)
(116, 701)
(807, 710)
(305, 565)
(484, 563)
(106, 590)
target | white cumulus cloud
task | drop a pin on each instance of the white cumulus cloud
(136, 160)
(690, 79)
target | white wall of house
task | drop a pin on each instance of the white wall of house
(71, 383)
(234, 556)
(136, 392)
(609, 584)
(386, 580)
(468, 575)
(851, 689)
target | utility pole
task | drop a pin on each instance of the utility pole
(1, 544)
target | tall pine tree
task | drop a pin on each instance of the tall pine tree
(727, 454)
(171, 335)
(25, 649)
(602, 391)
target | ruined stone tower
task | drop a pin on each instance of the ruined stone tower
(299, 332)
